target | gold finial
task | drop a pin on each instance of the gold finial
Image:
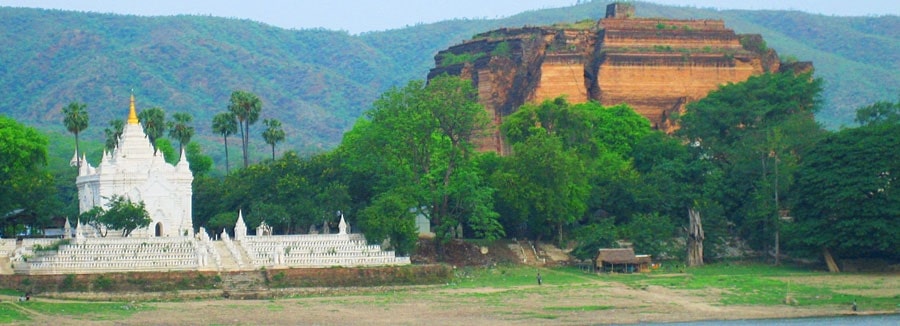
(132, 115)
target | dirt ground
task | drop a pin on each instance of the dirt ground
(596, 302)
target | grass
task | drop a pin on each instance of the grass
(93, 309)
(579, 308)
(516, 276)
(9, 314)
(759, 284)
(566, 292)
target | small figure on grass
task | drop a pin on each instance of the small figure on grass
(539, 279)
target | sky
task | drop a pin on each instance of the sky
(358, 16)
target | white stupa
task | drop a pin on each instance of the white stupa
(132, 170)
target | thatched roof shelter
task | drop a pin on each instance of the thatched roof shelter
(623, 259)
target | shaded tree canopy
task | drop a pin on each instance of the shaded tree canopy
(23, 185)
(846, 195)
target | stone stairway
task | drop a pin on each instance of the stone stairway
(227, 260)
(526, 252)
(245, 285)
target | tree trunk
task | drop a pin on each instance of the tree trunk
(77, 154)
(695, 239)
(829, 260)
(226, 156)
(245, 134)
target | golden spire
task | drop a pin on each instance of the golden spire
(132, 115)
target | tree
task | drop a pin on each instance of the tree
(198, 162)
(846, 197)
(246, 107)
(545, 186)
(113, 132)
(423, 136)
(880, 112)
(75, 118)
(225, 124)
(154, 122)
(123, 214)
(754, 133)
(181, 130)
(273, 133)
(23, 150)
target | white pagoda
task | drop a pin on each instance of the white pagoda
(132, 170)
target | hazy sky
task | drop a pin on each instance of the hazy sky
(357, 16)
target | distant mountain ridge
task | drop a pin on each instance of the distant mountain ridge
(318, 82)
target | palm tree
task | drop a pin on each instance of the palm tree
(225, 124)
(180, 129)
(246, 107)
(273, 133)
(154, 122)
(113, 132)
(75, 118)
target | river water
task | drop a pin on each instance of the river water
(870, 320)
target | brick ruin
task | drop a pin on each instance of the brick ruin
(655, 65)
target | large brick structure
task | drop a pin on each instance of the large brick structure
(655, 65)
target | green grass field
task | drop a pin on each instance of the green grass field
(499, 288)
(758, 284)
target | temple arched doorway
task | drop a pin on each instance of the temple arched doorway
(159, 229)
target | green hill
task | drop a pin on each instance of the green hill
(318, 82)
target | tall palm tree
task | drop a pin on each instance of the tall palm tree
(273, 133)
(75, 118)
(225, 124)
(180, 129)
(154, 122)
(113, 132)
(246, 107)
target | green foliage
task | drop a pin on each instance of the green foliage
(450, 58)
(246, 107)
(594, 236)
(120, 214)
(754, 133)
(653, 234)
(199, 163)
(390, 217)
(23, 185)
(54, 246)
(855, 215)
(153, 120)
(225, 124)
(880, 112)
(180, 129)
(502, 49)
(423, 135)
(164, 146)
(75, 119)
(764, 285)
(544, 186)
(102, 283)
(113, 132)
(273, 134)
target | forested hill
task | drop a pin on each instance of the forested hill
(318, 82)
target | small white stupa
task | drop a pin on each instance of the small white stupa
(132, 170)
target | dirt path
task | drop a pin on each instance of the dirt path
(589, 303)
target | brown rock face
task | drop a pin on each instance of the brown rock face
(654, 65)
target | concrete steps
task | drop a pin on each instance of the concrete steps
(228, 262)
(245, 285)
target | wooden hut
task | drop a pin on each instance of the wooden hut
(622, 260)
